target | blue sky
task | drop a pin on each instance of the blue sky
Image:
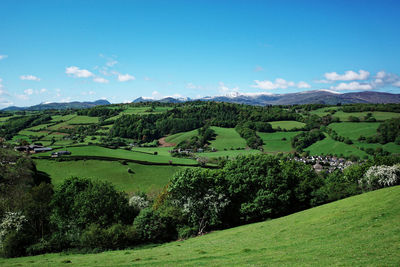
(52, 51)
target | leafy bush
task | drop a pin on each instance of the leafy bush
(80, 202)
(154, 227)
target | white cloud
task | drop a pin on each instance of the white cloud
(353, 86)
(28, 91)
(78, 73)
(397, 84)
(348, 76)
(278, 84)
(302, 84)
(100, 80)
(43, 90)
(125, 77)
(3, 57)
(111, 63)
(29, 78)
(146, 78)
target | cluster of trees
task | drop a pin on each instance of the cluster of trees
(93, 216)
(12, 126)
(249, 134)
(371, 107)
(388, 131)
(205, 134)
(190, 116)
(305, 139)
(335, 136)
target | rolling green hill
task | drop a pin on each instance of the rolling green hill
(363, 230)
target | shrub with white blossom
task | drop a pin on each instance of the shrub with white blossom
(380, 176)
(138, 202)
(12, 221)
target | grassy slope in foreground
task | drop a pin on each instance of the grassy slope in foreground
(361, 230)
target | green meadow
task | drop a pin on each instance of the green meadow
(179, 137)
(362, 230)
(344, 116)
(330, 146)
(228, 153)
(122, 154)
(286, 125)
(227, 138)
(144, 178)
(354, 130)
(273, 142)
(389, 147)
(83, 120)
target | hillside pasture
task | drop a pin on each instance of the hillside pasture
(344, 116)
(354, 130)
(58, 118)
(180, 137)
(389, 147)
(357, 231)
(286, 125)
(273, 142)
(228, 153)
(123, 154)
(227, 138)
(83, 120)
(330, 146)
(144, 177)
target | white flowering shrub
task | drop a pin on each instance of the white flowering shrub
(12, 221)
(380, 176)
(138, 202)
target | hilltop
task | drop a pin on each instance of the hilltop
(360, 230)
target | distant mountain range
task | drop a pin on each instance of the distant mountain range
(67, 105)
(307, 97)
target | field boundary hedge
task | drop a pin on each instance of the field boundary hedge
(143, 162)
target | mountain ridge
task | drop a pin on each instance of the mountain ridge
(306, 97)
(60, 105)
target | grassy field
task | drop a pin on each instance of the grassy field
(139, 111)
(363, 230)
(287, 125)
(179, 137)
(344, 116)
(123, 154)
(390, 147)
(354, 130)
(227, 138)
(145, 177)
(58, 118)
(273, 141)
(330, 146)
(83, 120)
(228, 153)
